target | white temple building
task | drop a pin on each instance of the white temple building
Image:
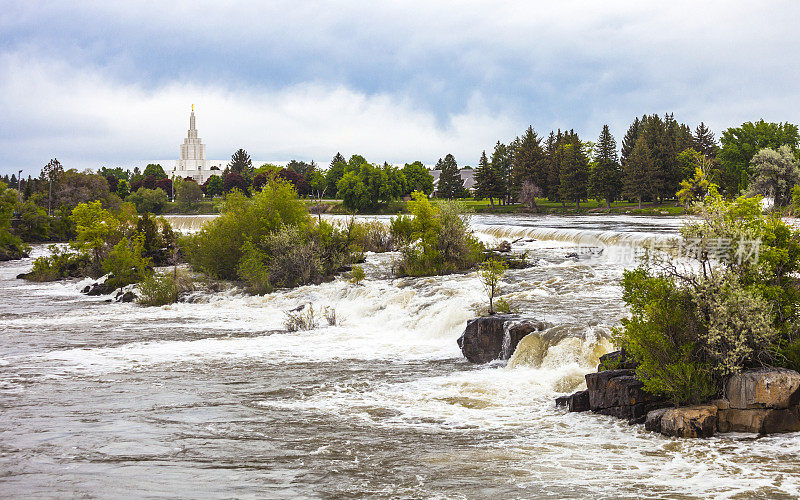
(192, 162)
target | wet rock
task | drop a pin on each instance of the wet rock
(484, 339)
(764, 388)
(618, 393)
(689, 421)
(562, 400)
(98, 288)
(653, 420)
(578, 401)
(128, 296)
(758, 420)
(503, 247)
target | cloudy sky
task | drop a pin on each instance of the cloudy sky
(111, 83)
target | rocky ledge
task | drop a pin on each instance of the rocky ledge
(762, 401)
(495, 337)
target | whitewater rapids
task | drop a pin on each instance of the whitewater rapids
(216, 399)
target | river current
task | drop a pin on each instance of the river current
(215, 399)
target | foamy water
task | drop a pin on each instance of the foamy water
(217, 399)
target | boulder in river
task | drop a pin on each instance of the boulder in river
(763, 388)
(758, 420)
(495, 337)
(689, 421)
(97, 288)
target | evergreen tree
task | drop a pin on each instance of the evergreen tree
(14, 182)
(501, 164)
(451, 185)
(574, 172)
(605, 180)
(629, 141)
(704, 141)
(241, 164)
(337, 158)
(335, 173)
(553, 155)
(485, 180)
(637, 171)
(529, 162)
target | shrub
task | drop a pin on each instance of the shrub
(731, 308)
(490, 272)
(302, 318)
(60, 264)
(661, 336)
(160, 289)
(126, 263)
(149, 200)
(437, 239)
(217, 248)
(357, 275)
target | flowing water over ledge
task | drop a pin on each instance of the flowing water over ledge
(215, 399)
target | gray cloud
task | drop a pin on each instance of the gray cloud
(110, 82)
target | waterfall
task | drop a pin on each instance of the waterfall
(188, 223)
(591, 237)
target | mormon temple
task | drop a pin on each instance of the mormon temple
(192, 162)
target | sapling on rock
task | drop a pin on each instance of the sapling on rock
(490, 272)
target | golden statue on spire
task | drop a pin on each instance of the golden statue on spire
(192, 108)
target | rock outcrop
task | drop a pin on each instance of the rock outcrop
(764, 388)
(689, 421)
(620, 394)
(97, 288)
(495, 337)
(762, 401)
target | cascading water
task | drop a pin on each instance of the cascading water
(215, 396)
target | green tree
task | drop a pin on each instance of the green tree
(704, 141)
(574, 173)
(693, 189)
(605, 180)
(335, 173)
(490, 272)
(187, 193)
(123, 188)
(125, 262)
(11, 246)
(450, 185)
(486, 180)
(155, 171)
(501, 164)
(97, 231)
(636, 172)
(529, 163)
(149, 200)
(775, 173)
(418, 178)
(740, 144)
(213, 186)
(241, 164)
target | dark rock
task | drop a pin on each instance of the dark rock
(578, 401)
(601, 394)
(690, 421)
(484, 339)
(128, 296)
(96, 289)
(653, 420)
(618, 393)
(504, 246)
(562, 400)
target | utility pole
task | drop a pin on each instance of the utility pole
(19, 179)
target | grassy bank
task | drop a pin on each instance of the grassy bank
(544, 206)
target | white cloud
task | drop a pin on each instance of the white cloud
(88, 120)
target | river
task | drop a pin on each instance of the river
(216, 399)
